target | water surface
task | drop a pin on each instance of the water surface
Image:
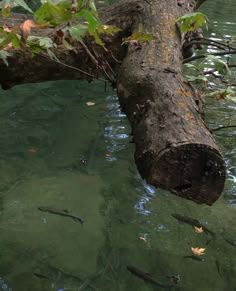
(57, 151)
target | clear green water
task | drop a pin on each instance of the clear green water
(46, 133)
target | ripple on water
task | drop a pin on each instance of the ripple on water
(4, 286)
(116, 131)
(148, 192)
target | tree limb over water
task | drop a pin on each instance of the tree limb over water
(174, 148)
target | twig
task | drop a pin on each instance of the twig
(222, 127)
(205, 55)
(89, 53)
(213, 41)
(205, 42)
(72, 67)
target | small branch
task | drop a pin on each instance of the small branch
(205, 55)
(73, 68)
(222, 127)
(226, 45)
(205, 42)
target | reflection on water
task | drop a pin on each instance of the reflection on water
(222, 113)
(115, 133)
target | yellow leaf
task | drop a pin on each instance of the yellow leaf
(90, 103)
(198, 229)
(198, 251)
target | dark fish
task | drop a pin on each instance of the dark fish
(146, 277)
(41, 276)
(193, 222)
(218, 268)
(61, 212)
(194, 258)
(231, 242)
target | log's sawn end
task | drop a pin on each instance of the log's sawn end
(193, 171)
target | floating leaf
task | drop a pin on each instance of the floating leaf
(198, 251)
(198, 229)
(89, 103)
(32, 150)
(143, 238)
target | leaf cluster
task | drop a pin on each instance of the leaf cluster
(50, 14)
(192, 21)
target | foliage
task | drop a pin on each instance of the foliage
(201, 74)
(3, 56)
(213, 66)
(192, 21)
(138, 37)
(6, 6)
(50, 14)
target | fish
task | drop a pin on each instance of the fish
(62, 212)
(218, 267)
(41, 276)
(147, 277)
(194, 258)
(231, 242)
(193, 222)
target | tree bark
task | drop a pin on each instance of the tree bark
(174, 148)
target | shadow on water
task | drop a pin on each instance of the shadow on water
(55, 151)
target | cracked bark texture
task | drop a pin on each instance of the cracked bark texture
(174, 148)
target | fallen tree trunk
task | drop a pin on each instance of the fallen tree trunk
(174, 148)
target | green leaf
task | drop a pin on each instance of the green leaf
(52, 55)
(219, 64)
(92, 6)
(77, 32)
(97, 38)
(14, 3)
(139, 36)
(23, 4)
(9, 37)
(67, 45)
(6, 12)
(90, 18)
(196, 78)
(107, 29)
(4, 55)
(53, 13)
(36, 44)
(192, 21)
(46, 42)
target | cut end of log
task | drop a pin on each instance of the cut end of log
(193, 171)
